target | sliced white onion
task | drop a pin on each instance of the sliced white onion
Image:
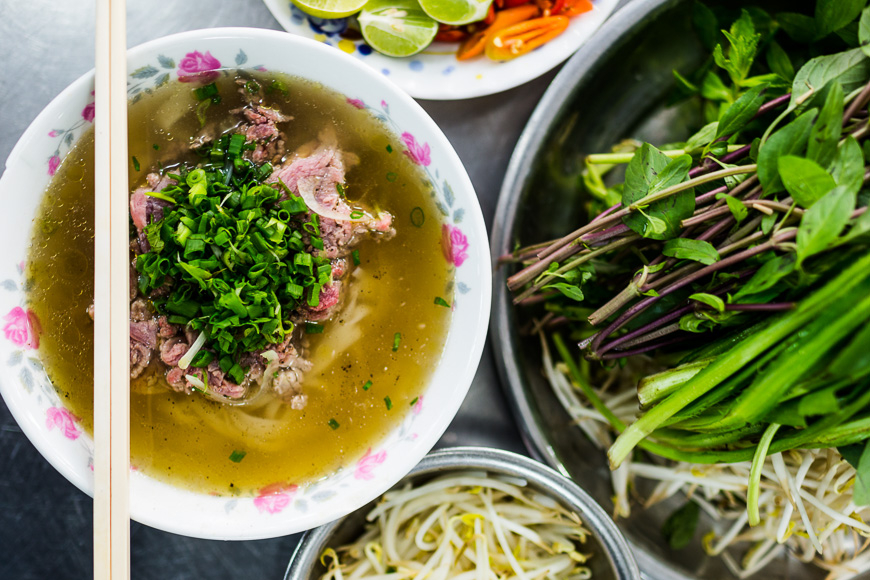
(191, 352)
(194, 380)
(269, 355)
(306, 188)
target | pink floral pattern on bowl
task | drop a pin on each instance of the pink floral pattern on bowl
(416, 152)
(454, 244)
(275, 498)
(365, 467)
(64, 421)
(198, 67)
(22, 328)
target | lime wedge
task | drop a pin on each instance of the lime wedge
(456, 12)
(396, 27)
(329, 8)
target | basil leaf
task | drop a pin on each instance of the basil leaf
(570, 290)
(860, 227)
(850, 68)
(771, 272)
(679, 528)
(832, 15)
(648, 172)
(822, 145)
(822, 223)
(788, 140)
(710, 300)
(805, 180)
(738, 210)
(864, 31)
(741, 112)
(800, 27)
(779, 62)
(689, 249)
(743, 44)
(848, 166)
(714, 89)
(702, 138)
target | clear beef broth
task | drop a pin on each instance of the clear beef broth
(188, 440)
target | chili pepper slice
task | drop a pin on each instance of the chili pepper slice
(574, 7)
(519, 39)
(475, 44)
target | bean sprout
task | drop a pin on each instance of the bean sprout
(465, 526)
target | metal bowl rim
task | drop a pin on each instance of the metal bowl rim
(619, 553)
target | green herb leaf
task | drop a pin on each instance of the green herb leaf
(706, 25)
(651, 171)
(236, 456)
(771, 272)
(738, 210)
(850, 68)
(864, 31)
(825, 134)
(805, 180)
(702, 138)
(570, 290)
(853, 362)
(743, 44)
(779, 62)
(800, 27)
(832, 15)
(848, 166)
(710, 300)
(789, 140)
(858, 456)
(822, 223)
(741, 112)
(679, 528)
(714, 89)
(689, 249)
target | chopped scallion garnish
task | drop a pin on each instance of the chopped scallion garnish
(417, 217)
(355, 256)
(367, 386)
(441, 302)
(334, 424)
(236, 456)
(135, 163)
(397, 338)
(389, 403)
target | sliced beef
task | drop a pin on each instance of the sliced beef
(172, 349)
(143, 340)
(145, 209)
(165, 329)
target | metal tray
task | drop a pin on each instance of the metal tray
(614, 87)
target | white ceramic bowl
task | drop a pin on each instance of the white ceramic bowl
(276, 510)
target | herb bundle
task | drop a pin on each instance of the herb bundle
(750, 239)
(241, 260)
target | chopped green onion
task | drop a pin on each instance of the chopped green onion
(236, 456)
(355, 215)
(334, 424)
(206, 92)
(135, 163)
(391, 177)
(396, 339)
(313, 328)
(441, 302)
(156, 147)
(355, 256)
(414, 402)
(389, 148)
(367, 386)
(340, 189)
(389, 403)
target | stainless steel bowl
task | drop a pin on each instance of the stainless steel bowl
(615, 86)
(612, 561)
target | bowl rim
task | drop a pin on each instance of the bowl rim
(557, 486)
(475, 320)
(553, 103)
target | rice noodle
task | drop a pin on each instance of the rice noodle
(805, 506)
(465, 526)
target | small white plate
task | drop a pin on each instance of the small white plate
(435, 73)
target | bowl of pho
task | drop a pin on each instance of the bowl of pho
(471, 512)
(309, 283)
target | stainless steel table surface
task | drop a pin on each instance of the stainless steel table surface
(45, 522)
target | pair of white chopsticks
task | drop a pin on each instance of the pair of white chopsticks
(111, 299)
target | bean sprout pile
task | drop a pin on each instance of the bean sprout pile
(465, 526)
